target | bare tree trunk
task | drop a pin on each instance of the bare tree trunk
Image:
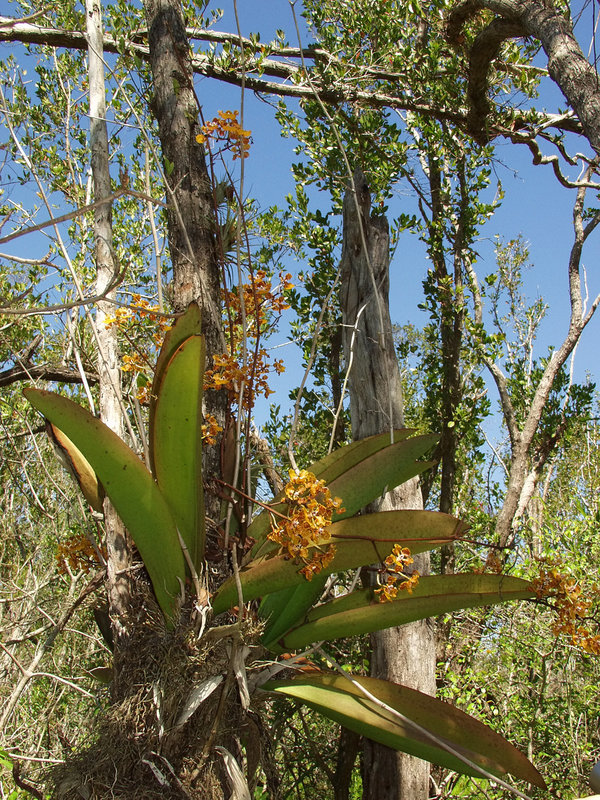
(110, 400)
(191, 212)
(348, 748)
(407, 654)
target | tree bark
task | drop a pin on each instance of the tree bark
(191, 213)
(110, 400)
(407, 654)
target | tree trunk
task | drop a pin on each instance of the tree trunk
(141, 747)
(407, 654)
(110, 399)
(191, 212)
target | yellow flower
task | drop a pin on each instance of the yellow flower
(302, 534)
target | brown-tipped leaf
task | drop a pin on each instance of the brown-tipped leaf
(78, 466)
(339, 699)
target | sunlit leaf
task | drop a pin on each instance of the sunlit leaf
(362, 612)
(176, 436)
(380, 472)
(349, 455)
(339, 699)
(130, 488)
(359, 473)
(187, 325)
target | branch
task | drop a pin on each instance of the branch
(47, 372)
(485, 48)
(567, 65)
(265, 458)
(28, 673)
(499, 377)
(521, 453)
(296, 86)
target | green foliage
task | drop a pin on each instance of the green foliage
(155, 506)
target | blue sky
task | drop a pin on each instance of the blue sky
(535, 205)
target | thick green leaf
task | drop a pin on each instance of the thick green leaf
(176, 436)
(359, 541)
(339, 699)
(349, 455)
(78, 466)
(361, 611)
(380, 472)
(185, 326)
(286, 608)
(130, 488)
(358, 473)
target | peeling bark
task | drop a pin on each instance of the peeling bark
(407, 654)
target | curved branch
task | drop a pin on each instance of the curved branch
(567, 65)
(484, 51)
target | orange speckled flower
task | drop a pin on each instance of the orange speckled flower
(303, 534)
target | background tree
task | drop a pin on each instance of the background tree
(356, 63)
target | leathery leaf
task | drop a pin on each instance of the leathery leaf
(359, 541)
(131, 489)
(78, 466)
(362, 612)
(176, 436)
(284, 609)
(359, 473)
(343, 701)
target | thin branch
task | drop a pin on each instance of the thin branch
(28, 672)
(77, 213)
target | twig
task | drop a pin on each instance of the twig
(45, 647)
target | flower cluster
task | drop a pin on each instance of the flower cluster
(258, 299)
(144, 328)
(228, 374)
(394, 566)
(302, 534)
(78, 553)
(134, 363)
(210, 430)
(566, 597)
(226, 128)
(248, 311)
(139, 309)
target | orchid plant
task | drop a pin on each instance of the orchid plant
(311, 531)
